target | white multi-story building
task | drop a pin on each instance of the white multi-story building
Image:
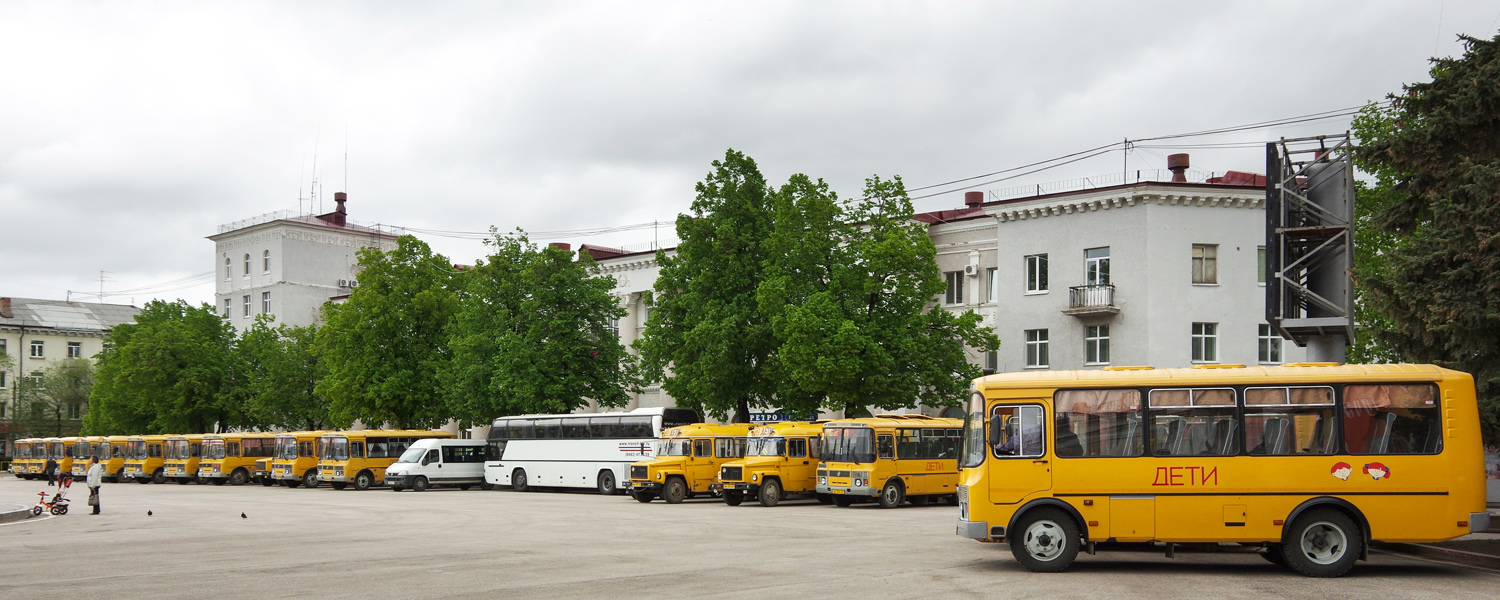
(288, 265)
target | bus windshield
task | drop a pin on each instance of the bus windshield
(412, 455)
(766, 446)
(213, 449)
(82, 449)
(849, 444)
(177, 450)
(286, 447)
(333, 448)
(135, 450)
(678, 447)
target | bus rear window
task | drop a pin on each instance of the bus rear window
(1392, 418)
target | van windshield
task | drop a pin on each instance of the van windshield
(412, 455)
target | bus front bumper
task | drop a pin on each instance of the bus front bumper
(979, 530)
(1479, 522)
(644, 486)
(845, 490)
(748, 488)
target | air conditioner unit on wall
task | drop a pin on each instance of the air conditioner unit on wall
(343, 283)
(971, 270)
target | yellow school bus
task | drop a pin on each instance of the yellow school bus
(61, 449)
(1313, 461)
(143, 458)
(891, 459)
(111, 453)
(230, 457)
(295, 458)
(83, 449)
(781, 459)
(687, 461)
(360, 457)
(182, 454)
(26, 452)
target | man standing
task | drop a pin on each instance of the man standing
(51, 469)
(96, 479)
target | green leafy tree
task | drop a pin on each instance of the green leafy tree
(277, 372)
(850, 289)
(385, 346)
(1439, 287)
(53, 402)
(168, 372)
(1372, 243)
(706, 339)
(535, 333)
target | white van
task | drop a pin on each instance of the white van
(437, 461)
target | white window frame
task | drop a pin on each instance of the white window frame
(954, 294)
(1096, 341)
(38, 349)
(994, 275)
(265, 303)
(75, 349)
(1260, 263)
(228, 307)
(246, 312)
(265, 261)
(1205, 264)
(1268, 346)
(228, 268)
(1096, 269)
(2, 386)
(1036, 273)
(1038, 352)
(1205, 346)
(992, 361)
(247, 264)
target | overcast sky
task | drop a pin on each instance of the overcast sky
(130, 131)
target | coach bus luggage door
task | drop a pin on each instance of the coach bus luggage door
(1020, 462)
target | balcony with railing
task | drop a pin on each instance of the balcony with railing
(1087, 300)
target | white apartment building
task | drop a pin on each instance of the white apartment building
(288, 265)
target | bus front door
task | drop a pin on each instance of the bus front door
(1022, 465)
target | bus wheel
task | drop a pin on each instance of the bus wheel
(518, 480)
(364, 480)
(486, 485)
(891, 495)
(219, 481)
(642, 496)
(675, 491)
(183, 481)
(464, 487)
(1047, 541)
(310, 479)
(917, 500)
(607, 482)
(419, 484)
(239, 477)
(843, 501)
(291, 483)
(770, 493)
(158, 477)
(953, 500)
(733, 497)
(825, 498)
(338, 485)
(143, 480)
(1322, 543)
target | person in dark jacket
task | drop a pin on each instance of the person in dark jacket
(51, 470)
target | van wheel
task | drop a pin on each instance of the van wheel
(310, 479)
(518, 480)
(770, 493)
(643, 496)
(607, 482)
(675, 491)
(364, 480)
(419, 484)
(465, 487)
(486, 485)
(1046, 541)
(239, 477)
(338, 485)
(892, 494)
(842, 501)
(1322, 543)
(733, 497)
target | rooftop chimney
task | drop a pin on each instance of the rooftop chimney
(973, 199)
(339, 213)
(5, 308)
(1178, 165)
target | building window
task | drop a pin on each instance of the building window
(1096, 266)
(247, 307)
(265, 261)
(1096, 344)
(645, 314)
(247, 264)
(75, 410)
(994, 275)
(1205, 263)
(38, 349)
(955, 293)
(1270, 345)
(2, 385)
(613, 325)
(228, 307)
(1036, 273)
(1036, 349)
(228, 270)
(1260, 265)
(992, 361)
(1205, 342)
(75, 350)
(3, 349)
(265, 303)
(36, 377)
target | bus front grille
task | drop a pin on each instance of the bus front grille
(732, 474)
(637, 472)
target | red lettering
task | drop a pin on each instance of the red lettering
(1214, 473)
(1160, 479)
(1173, 475)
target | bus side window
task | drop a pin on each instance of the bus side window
(494, 450)
(703, 448)
(814, 446)
(356, 449)
(887, 445)
(233, 450)
(1017, 431)
(1392, 418)
(797, 448)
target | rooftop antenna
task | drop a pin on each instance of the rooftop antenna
(318, 138)
(301, 175)
(346, 158)
(101, 285)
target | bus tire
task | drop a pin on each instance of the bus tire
(159, 476)
(219, 481)
(770, 493)
(1273, 555)
(825, 498)
(518, 480)
(464, 487)
(1046, 540)
(842, 501)
(267, 481)
(364, 480)
(606, 482)
(419, 484)
(338, 485)
(184, 480)
(952, 499)
(289, 483)
(486, 485)
(892, 494)
(239, 477)
(675, 491)
(397, 488)
(733, 497)
(310, 478)
(143, 480)
(1322, 542)
(918, 500)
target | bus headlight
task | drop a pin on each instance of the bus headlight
(658, 474)
(755, 477)
(822, 481)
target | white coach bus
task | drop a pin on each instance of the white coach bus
(592, 450)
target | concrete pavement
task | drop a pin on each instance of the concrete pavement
(454, 544)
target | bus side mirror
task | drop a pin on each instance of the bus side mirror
(995, 425)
